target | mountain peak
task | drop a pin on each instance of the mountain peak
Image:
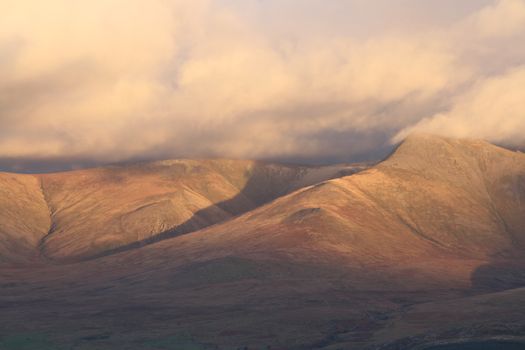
(415, 141)
(431, 150)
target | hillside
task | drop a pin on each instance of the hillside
(93, 212)
(435, 205)
(423, 248)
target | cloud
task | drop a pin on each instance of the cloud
(112, 80)
(493, 109)
(82, 77)
(492, 105)
(501, 19)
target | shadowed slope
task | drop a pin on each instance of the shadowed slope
(473, 319)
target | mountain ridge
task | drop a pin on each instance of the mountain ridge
(433, 161)
(353, 261)
(193, 185)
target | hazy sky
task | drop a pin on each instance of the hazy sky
(86, 82)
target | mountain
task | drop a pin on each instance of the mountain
(425, 247)
(434, 205)
(86, 213)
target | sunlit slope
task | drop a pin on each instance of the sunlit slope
(432, 198)
(24, 217)
(465, 194)
(432, 203)
(96, 211)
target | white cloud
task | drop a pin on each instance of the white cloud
(493, 109)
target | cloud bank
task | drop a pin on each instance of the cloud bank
(111, 80)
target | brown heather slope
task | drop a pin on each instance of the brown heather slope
(99, 211)
(436, 207)
(412, 251)
(339, 261)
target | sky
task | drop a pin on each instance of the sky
(84, 83)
